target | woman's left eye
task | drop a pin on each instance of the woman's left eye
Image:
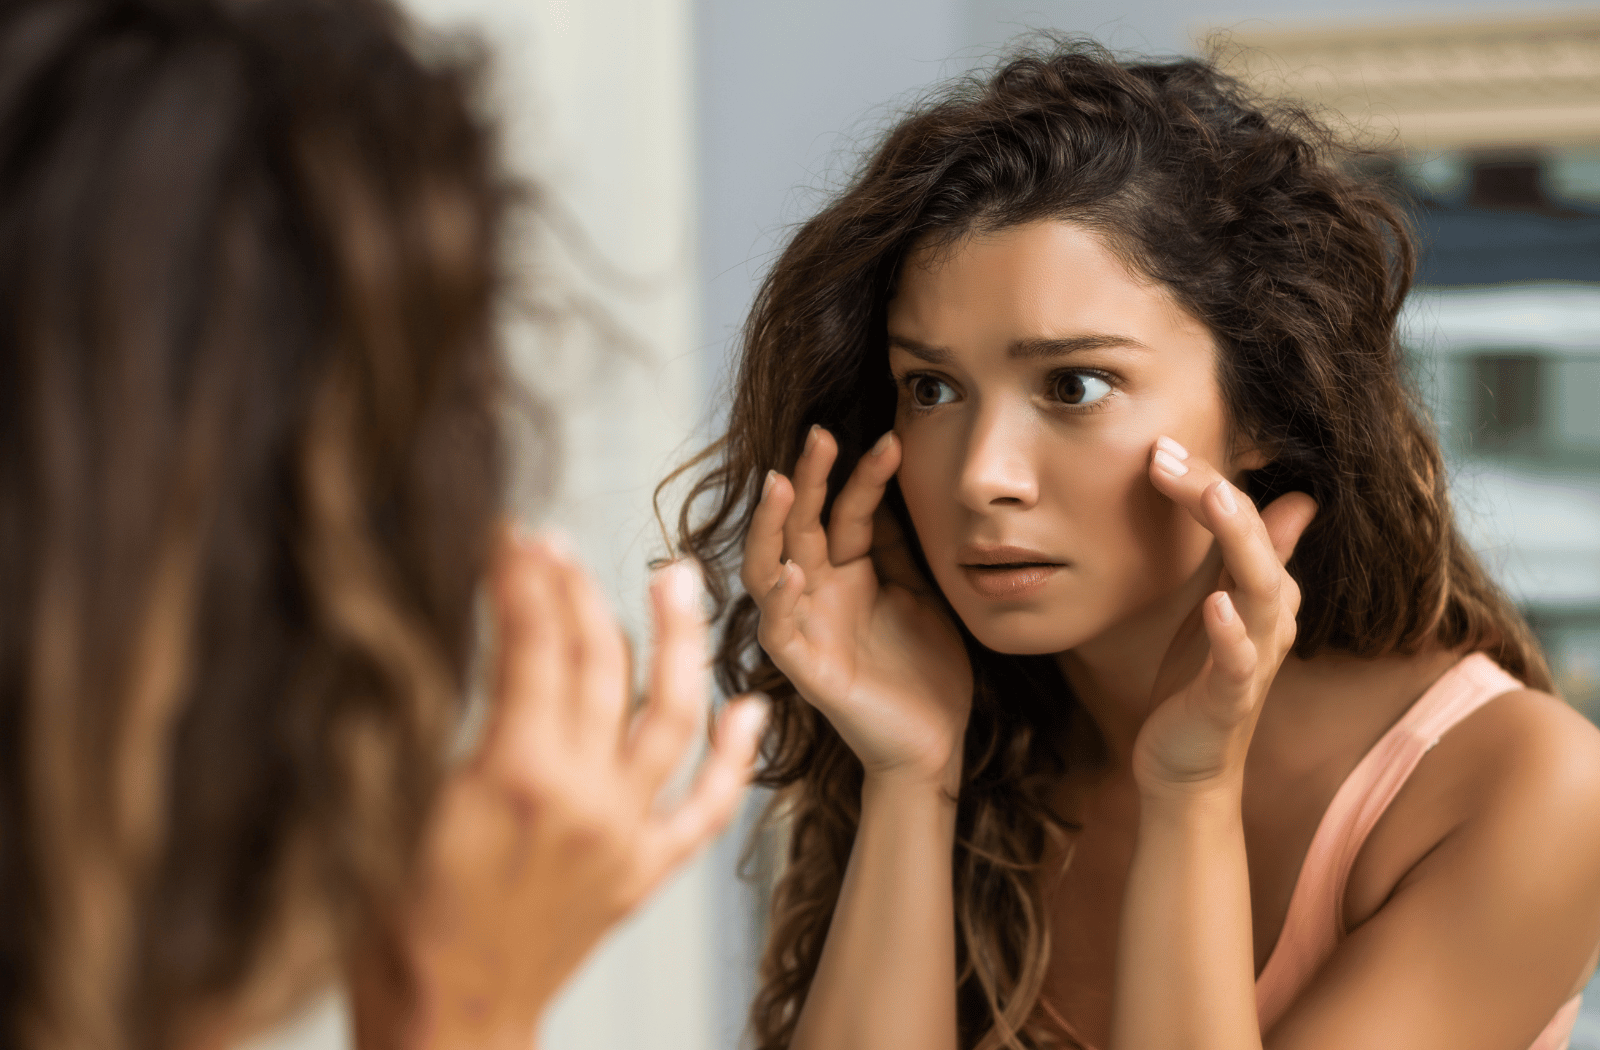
(1079, 388)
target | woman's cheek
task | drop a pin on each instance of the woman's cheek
(1136, 542)
(919, 487)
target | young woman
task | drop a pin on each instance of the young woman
(1134, 688)
(250, 470)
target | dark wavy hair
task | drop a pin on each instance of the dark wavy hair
(249, 464)
(1244, 211)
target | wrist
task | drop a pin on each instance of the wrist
(435, 1004)
(1215, 797)
(903, 790)
(464, 1020)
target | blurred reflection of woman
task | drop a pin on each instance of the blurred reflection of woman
(250, 466)
(1131, 741)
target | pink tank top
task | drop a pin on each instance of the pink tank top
(1315, 921)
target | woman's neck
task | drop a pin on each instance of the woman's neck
(1114, 673)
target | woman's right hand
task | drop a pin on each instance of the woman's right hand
(884, 664)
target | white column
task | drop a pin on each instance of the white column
(595, 99)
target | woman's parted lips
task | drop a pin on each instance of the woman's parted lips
(973, 556)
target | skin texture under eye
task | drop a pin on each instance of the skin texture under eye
(1004, 461)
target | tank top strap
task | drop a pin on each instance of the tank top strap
(1467, 686)
(1315, 920)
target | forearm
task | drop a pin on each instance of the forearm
(1185, 959)
(887, 973)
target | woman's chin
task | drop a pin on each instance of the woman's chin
(1021, 635)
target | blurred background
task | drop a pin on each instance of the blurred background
(684, 138)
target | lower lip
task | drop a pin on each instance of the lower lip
(1007, 582)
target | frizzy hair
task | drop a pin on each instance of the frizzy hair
(250, 461)
(1241, 209)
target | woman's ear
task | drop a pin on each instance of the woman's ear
(1251, 458)
(1252, 453)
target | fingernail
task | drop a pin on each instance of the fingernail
(811, 436)
(1172, 446)
(1225, 497)
(1170, 463)
(766, 486)
(757, 709)
(882, 444)
(682, 584)
(1224, 607)
(788, 571)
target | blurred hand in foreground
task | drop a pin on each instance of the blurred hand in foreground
(555, 831)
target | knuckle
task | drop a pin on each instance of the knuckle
(1272, 589)
(532, 793)
(675, 721)
(591, 832)
(853, 518)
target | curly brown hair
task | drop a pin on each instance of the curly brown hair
(249, 465)
(1244, 211)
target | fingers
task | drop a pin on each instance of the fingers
(1233, 661)
(679, 684)
(1249, 556)
(720, 785)
(1286, 519)
(850, 526)
(891, 556)
(803, 537)
(599, 653)
(788, 517)
(532, 673)
(763, 544)
(779, 632)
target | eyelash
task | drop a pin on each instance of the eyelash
(905, 382)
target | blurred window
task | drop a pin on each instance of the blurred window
(1506, 402)
(1576, 400)
(1509, 185)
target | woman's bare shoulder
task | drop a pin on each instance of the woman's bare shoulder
(1533, 751)
(1520, 774)
(1479, 911)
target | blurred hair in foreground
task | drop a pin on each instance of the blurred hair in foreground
(249, 462)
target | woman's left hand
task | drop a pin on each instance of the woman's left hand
(1210, 685)
(555, 830)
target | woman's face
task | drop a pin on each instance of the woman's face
(1035, 372)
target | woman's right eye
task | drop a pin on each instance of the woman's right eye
(927, 391)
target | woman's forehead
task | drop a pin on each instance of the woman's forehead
(1043, 281)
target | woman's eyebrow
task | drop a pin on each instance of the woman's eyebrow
(1034, 348)
(933, 355)
(1024, 348)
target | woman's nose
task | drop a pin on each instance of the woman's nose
(998, 466)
